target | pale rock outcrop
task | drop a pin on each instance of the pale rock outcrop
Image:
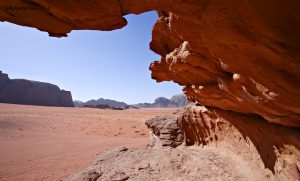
(192, 163)
(166, 129)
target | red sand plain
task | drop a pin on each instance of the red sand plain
(51, 143)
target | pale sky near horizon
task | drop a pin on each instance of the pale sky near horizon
(91, 64)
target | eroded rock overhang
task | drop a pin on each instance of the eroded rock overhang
(236, 55)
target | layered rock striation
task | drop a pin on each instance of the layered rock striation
(271, 145)
(21, 91)
(239, 56)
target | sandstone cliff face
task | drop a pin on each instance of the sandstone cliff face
(236, 55)
(239, 58)
(273, 146)
(20, 91)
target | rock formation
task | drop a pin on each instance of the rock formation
(241, 56)
(167, 131)
(233, 147)
(238, 58)
(101, 101)
(179, 100)
(249, 136)
(181, 163)
(175, 101)
(20, 91)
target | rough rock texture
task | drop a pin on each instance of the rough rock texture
(239, 58)
(236, 55)
(20, 91)
(166, 129)
(209, 163)
(252, 137)
(233, 147)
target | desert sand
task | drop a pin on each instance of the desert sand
(51, 143)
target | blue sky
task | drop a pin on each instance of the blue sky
(91, 64)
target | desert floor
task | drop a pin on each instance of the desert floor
(51, 143)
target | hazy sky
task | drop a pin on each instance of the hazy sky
(91, 64)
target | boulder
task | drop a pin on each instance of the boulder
(167, 131)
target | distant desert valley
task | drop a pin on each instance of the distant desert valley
(236, 119)
(51, 143)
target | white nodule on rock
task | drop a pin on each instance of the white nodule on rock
(236, 77)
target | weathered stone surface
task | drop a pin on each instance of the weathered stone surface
(240, 55)
(179, 163)
(166, 129)
(20, 91)
(233, 147)
(250, 136)
(58, 19)
(234, 56)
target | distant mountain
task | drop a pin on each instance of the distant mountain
(160, 102)
(21, 91)
(101, 101)
(175, 101)
(78, 103)
(179, 100)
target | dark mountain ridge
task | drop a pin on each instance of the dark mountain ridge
(28, 92)
(160, 102)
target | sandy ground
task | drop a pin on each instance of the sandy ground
(50, 143)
